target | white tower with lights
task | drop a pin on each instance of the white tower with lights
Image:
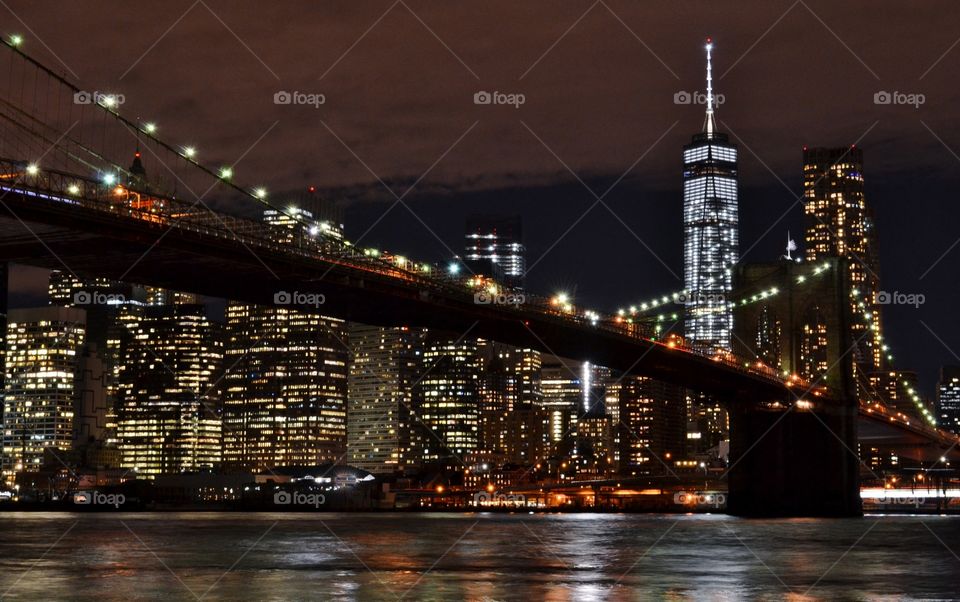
(710, 229)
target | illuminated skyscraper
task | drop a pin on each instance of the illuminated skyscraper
(710, 229)
(168, 415)
(43, 349)
(948, 398)
(383, 370)
(839, 224)
(562, 398)
(494, 247)
(285, 390)
(513, 420)
(447, 400)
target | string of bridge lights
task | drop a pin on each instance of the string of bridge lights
(111, 103)
(874, 326)
(630, 313)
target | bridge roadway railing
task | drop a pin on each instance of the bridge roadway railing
(119, 199)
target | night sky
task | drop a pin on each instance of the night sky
(599, 81)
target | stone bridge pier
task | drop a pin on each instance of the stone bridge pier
(794, 460)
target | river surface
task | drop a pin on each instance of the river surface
(341, 556)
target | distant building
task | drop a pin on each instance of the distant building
(104, 301)
(528, 424)
(594, 453)
(561, 382)
(447, 401)
(495, 400)
(42, 355)
(285, 388)
(494, 247)
(380, 417)
(900, 389)
(651, 424)
(948, 398)
(168, 410)
(305, 213)
(839, 223)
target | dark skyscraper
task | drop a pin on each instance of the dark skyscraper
(710, 229)
(494, 247)
(651, 425)
(948, 398)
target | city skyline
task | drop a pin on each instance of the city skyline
(894, 136)
(398, 299)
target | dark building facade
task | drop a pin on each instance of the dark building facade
(948, 398)
(652, 425)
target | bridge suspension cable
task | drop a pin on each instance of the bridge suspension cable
(54, 124)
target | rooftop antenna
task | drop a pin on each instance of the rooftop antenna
(709, 125)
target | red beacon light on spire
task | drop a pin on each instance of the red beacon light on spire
(312, 189)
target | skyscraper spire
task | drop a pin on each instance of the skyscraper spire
(710, 228)
(709, 125)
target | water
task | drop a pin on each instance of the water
(339, 556)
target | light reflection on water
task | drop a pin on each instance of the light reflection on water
(175, 556)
